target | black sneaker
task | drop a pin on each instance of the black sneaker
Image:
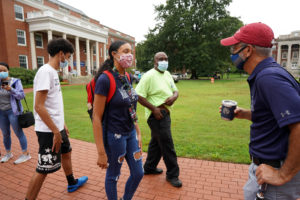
(174, 181)
(155, 171)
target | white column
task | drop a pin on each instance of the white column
(92, 57)
(298, 63)
(279, 53)
(66, 69)
(49, 38)
(33, 52)
(289, 66)
(49, 35)
(88, 62)
(104, 51)
(97, 56)
(72, 62)
(77, 56)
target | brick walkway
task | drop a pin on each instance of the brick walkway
(201, 179)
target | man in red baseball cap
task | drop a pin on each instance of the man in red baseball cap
(275, 115)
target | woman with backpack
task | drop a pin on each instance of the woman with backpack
(11, 93)
(116, 132)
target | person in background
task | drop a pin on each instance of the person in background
(116, 131)
(158, 92)
(53, 135)
(275, 115)
(11, 94)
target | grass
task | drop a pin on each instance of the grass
(197, 129)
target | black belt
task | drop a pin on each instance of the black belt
(273, 163)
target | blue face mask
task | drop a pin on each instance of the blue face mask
(3, 75)
(63, 64)
(162, 66)
(237, 60)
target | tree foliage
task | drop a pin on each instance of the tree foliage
(189, 31)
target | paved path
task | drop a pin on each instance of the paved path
(201, 179)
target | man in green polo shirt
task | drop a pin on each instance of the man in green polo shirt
(157, 92)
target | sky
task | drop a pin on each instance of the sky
(135, 17)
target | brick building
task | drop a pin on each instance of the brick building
(28, 25)
(287, 52)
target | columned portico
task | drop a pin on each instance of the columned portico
(97, 56)
(299, 56)
(92, 56)
(279, 53)
(49, 35)
(104, 51)
(66, 69)
(33, 52)
(56, 23)
(88, 61)
(78, 69)
(289, 55)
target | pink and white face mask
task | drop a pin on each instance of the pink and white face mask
(126, 60)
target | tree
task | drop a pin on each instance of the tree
(189, 31)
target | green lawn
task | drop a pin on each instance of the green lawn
(197, 128)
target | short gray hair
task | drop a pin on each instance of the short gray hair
(263, 51)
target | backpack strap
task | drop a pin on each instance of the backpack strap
(112, 86)
(92, 87)
(128, 76)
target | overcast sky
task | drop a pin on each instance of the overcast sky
(135, 17)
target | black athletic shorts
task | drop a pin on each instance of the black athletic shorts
(48, 161)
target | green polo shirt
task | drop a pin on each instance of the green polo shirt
(156, 87)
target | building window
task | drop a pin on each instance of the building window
(21, 37)
(294, 65)
(19, 12)
(23, 61)
(94, 50)
(101, 53)
(39, 40)
(284, 55)
(112, 40)
(40, 61)
(283, 64)
(295, 54)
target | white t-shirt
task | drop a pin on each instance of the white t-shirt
(47, 78)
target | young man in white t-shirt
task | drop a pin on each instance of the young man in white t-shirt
(52, 133)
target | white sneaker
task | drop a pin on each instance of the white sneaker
(6, 157)
(22, 158)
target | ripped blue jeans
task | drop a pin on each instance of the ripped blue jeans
(119, 147)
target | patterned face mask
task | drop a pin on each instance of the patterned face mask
(126, 60)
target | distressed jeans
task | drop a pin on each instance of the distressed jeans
(288, 191)
(119, 147)
(8, 118)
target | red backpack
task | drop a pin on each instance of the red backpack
(90, 87)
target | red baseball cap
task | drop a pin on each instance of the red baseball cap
(258, 34)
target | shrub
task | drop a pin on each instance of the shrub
(25, 75)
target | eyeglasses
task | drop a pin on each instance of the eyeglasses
(233, 50)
